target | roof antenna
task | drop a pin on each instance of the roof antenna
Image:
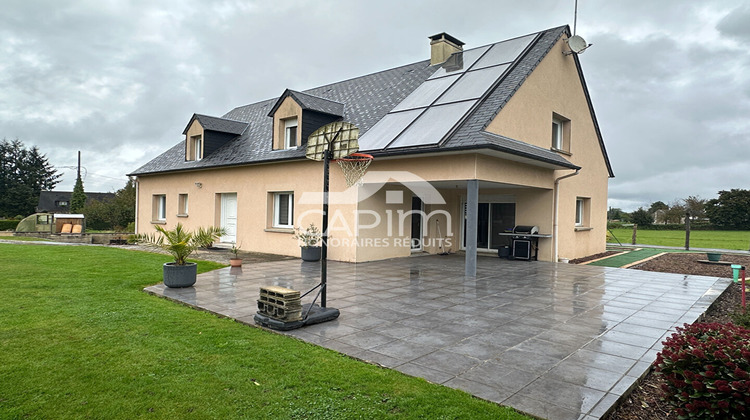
(576, 43)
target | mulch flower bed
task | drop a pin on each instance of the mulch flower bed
(594, 257)
(645, 402)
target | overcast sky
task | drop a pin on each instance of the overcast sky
(119, 80)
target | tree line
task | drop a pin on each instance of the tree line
(26, 172)
(730, 210)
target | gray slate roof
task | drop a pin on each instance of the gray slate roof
(367, 98)
(48, 200)
(312, 103)
(523, 149)
(218, 124)
(364, 101)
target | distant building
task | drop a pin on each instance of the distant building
(59, 201)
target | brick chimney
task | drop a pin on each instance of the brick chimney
(442, 46)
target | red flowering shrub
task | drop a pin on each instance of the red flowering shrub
(705, 367)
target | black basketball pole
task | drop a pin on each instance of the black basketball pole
(327, 156)
(324, 247)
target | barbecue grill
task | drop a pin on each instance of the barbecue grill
(526, 230)
(525, 239)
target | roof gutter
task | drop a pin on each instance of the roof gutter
(556, 205)
(392, 153)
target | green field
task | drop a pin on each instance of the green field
(718, 239)
(80, 339)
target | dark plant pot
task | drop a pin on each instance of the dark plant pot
(503, 252)
(713, 256)
(311, 253)
(180, 275)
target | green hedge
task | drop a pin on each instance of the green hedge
(8, 224)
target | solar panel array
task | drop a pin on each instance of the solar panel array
(438, 105)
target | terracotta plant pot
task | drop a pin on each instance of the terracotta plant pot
(235, 262)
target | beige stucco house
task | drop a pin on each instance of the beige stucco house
(467, 144)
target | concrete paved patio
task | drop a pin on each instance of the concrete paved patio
(557, 341)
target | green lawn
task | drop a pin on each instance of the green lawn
(719, 239)
(24, 238)
(80, 339)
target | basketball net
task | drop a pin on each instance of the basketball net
(354, 167)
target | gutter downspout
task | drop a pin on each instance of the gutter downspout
(556, 205)
(137, 198)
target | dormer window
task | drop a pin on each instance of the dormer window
(197, 149)
(290, 133)
(296, 115)
(204, 135)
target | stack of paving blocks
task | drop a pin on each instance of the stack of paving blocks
(280, 303)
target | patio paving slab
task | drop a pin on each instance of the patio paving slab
(557, 341)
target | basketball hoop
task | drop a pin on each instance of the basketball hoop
(354, 167)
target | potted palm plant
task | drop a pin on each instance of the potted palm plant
(205, 237)
(179, 243)
(236, 261)
(309, 240)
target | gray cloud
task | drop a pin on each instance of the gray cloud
(735, 24)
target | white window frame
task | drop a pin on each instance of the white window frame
(290, 123)
(557, 134)
(160, 201)
(277, 200)
(580, 211)
(197, 148)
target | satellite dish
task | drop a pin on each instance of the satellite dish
(577, 44)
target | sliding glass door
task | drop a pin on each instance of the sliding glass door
(493, 218)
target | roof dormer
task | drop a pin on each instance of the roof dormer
(204, 135)
(296, 115)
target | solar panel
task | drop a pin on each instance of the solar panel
(473, 84)
(426, 93)
(433, 125)
(387, 129)
(504, 52)
(459, 62)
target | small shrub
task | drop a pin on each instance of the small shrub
(308, 237)
(130, 227)
(741, 318)
(205, 237)
(705, 367)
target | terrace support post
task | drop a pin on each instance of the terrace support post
(472, 217)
